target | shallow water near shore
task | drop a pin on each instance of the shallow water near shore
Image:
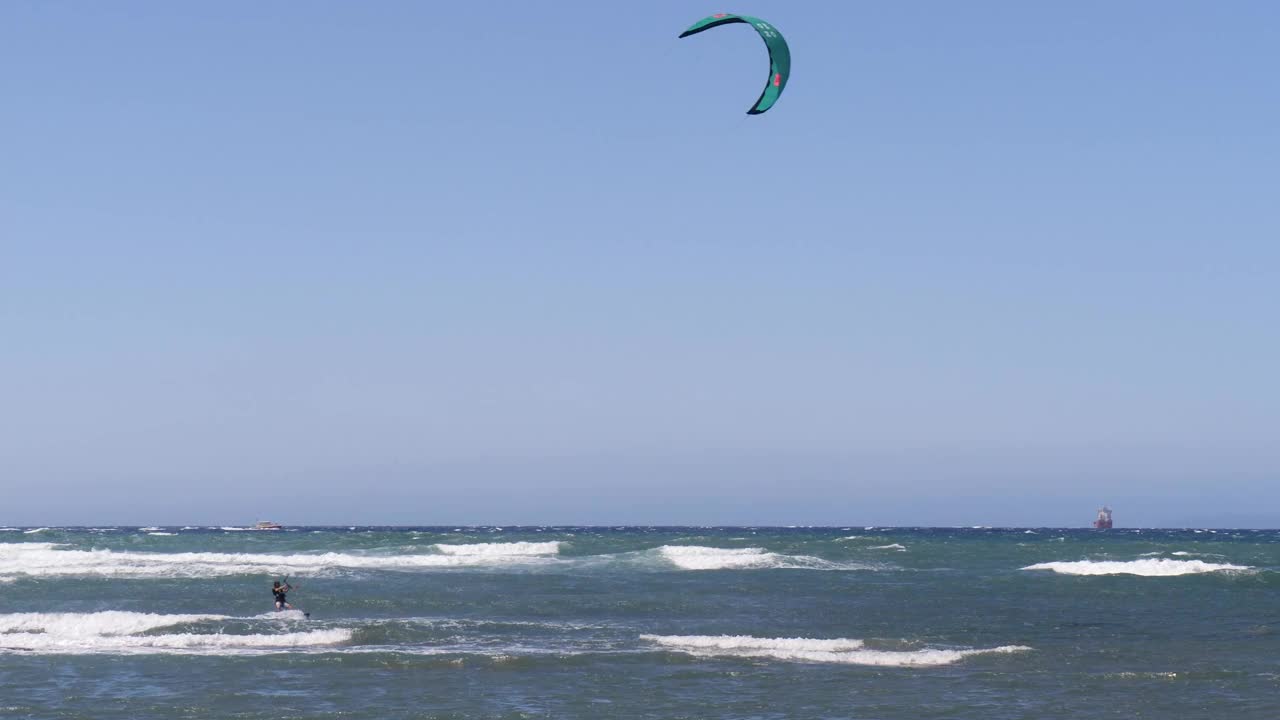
(558, 622)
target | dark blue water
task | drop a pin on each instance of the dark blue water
(640, 623)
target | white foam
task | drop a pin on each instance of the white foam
(159, 533)
(748, 642)
(1142, 675)
(1156, 567)
(50, 560)
(894, 546)
(842, 651)
(282, 615)
(501, 549)
(34, 531)
(697, 557)
(104, 624)
(1178, 553)
(118, 632)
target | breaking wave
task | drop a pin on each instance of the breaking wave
(501, 549)
(102, 624)
(697, 557)
(1154, 567)
(53, 560)
(19, 560)
(118, 632)
(843, 651)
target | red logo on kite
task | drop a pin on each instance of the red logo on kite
(720, 15)
(777, 80)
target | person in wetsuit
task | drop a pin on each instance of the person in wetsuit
(279, 590)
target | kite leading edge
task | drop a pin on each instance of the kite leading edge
(779, 54)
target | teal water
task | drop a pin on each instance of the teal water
(740, 623)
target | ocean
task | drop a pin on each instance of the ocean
(640, 622)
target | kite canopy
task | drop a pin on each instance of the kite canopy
(779, 54)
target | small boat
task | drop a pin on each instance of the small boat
(267, 525)
(1104, 519)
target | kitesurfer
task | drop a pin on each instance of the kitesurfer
(279, 589)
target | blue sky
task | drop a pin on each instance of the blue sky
(984, 263)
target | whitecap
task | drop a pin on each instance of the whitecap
(103, 624)
(697, 557)
(894, 546)
(53, 560)
(500, 549)
(840, 650)
(1156, 567)
(119, 632)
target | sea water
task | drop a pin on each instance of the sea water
(580, 622)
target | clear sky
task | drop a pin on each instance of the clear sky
(514, 262)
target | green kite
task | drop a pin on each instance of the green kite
(779, 54)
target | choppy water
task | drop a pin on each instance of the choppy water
(741, 623)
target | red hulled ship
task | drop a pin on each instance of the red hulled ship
(1104, 519)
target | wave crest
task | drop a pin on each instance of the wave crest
(697, 557)
(119, 632)
(107, 623)
(1153, 567)
(52, 560)
(840, 650)
(507, 549)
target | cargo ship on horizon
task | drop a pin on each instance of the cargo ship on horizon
(1103, 522)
